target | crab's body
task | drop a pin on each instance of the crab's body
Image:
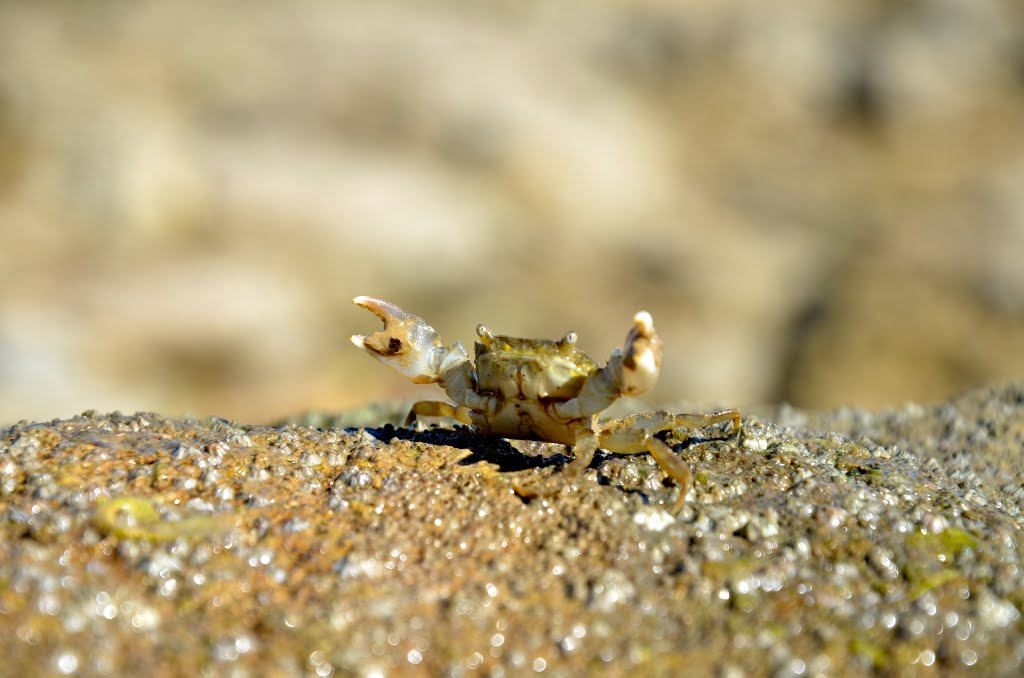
(536, 389)
(527, 378)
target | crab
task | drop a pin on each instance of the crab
(538, 389)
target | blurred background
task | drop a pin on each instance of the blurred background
(820, 203)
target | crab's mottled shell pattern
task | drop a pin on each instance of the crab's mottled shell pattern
(531, 369)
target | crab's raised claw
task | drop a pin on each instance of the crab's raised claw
(641, 361)
(407, 343)
(631, 370)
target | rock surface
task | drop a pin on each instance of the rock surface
(843, 543)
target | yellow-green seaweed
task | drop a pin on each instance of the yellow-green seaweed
(947, 543)
(138, 518)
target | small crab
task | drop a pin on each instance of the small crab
(537, 389)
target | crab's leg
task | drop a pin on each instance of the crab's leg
(411, 346)
(633, 435)
(584, 449)
(437, 408)
(636, 434)
(662, 420)
(631, 370)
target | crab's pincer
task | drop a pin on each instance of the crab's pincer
(407, 343)
(641, 363)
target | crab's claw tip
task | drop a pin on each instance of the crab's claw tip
(644, 323)
(357, 339)
(385, 310)
(641, 361)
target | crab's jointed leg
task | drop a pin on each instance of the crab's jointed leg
(411, 346)
(637, 433)
(583, 451)
(619, 435)
(634, 435)
(631, 370)
(437, 408)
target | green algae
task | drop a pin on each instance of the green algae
(872, 653)
(944, 545)
(373, 415)
(934, 567)
(138, 518)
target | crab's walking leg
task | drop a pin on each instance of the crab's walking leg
(584, 449)
(702, 420)
(636, 434)
(673, 466)
(437, 408)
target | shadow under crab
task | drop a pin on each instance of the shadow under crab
(517, 456)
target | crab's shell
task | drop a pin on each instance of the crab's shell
(531, 369)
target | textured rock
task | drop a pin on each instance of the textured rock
(146, 545)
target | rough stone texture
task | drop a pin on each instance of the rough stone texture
(151, 546)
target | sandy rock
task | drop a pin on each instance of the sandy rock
(814, 544)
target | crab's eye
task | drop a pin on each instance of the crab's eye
(568, 341)
(484, 334)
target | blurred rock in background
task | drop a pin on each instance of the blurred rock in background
(822, 204)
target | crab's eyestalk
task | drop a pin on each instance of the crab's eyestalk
(407, 343)
(641, 360)
(486, 336)
(567, 343)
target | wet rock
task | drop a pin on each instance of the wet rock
(817, 543)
